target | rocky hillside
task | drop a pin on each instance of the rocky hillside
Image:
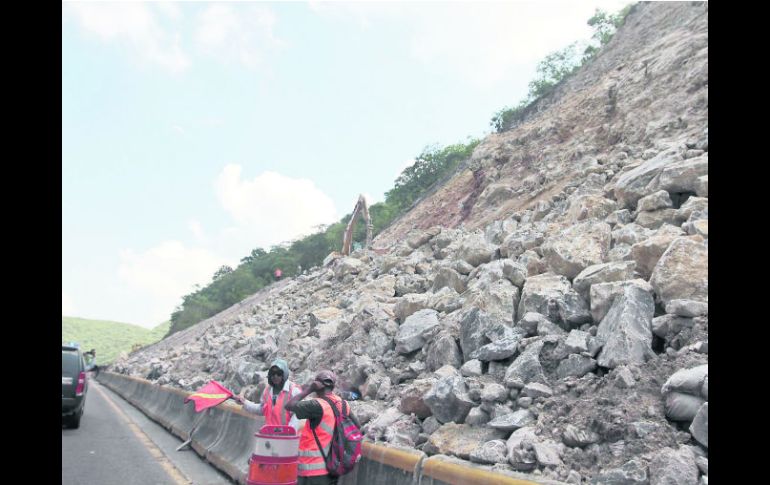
(546, 310)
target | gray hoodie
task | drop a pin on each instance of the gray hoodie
(258, 409)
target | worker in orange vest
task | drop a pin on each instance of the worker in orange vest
(278, 273)
(274, 398)
(312, 469)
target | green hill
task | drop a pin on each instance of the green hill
(108, 338)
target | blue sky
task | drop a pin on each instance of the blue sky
(194, 132)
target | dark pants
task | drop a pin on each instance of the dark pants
(317, 480)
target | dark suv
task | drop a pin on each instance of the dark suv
(74, 385)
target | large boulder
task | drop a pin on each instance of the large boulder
(682, 176)
(348, 266)
(602, 273)
(656, 201)
(626, 330)
(513, 421)
(526, 368)
(502, 348)
(409, 304)
(407, 284)
(589, 206)
(413, 332)
(418, 237)
(682, 272)
(670, 466)
(412, 398)
(523, 239)
(491, 452)
(443, 350)
(630, 234)
(447, 277)
(477, 329)
(690, 381)
(498, 299)
(655, 219)
(633, 472)
(647, 252)
(576, 366)
(638, 182)
(604, 294)
(460, 440)
(445, 300)
(578, 247)
(553, 292)
(448, 399)
(475, 250)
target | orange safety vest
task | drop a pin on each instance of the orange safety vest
(277, 414)
(311, 461)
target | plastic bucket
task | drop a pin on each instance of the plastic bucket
(275, 458)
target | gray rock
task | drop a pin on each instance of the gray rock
(477, 417)
(526, 368)
(498, 299)
(575, 365)
(418, 237)
(619, 217)
(631, 234)
(577, 247)
(494, 393)
(490, 452)
(443, 350)
(547, 453)
(702, 186)
(530, 323)
(524, 402)
(471, 368)
(668, 325)
(496, 232)
(669, 466)
(636, 183)
(682, 272)
(412, 401)
(577, 342)
(687, 308)
(407, 284)
(700, 427)
(513, 421)
(578, 438)
(682, 176)
(474, 250)
(540, 289)
(478, 328)
(633, 472)
(682, 407)
(655, 219)
(536, 390)
(501, 349)
(589, 206)
(647, 253)
(533, 262)
(624, 379)
(694, 206)
(653, 202)
(546, 327)
(703, 464)
(447, 277)
(412, 333)
(346, 266)
(621, 252)
(409, 304)
(461, 440)
(430, 425)
(446, 300)
(626, 330)
(448, 399)
(602, 273)
(521, 240)
(515, 272)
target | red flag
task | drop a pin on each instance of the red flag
(209, 396)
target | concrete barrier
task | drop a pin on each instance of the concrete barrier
(224, 436)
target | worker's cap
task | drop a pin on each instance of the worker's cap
(326, 377)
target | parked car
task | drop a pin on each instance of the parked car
(74, 385)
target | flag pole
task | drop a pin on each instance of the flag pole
(192, 430)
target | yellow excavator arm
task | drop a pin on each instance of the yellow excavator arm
(347, 238)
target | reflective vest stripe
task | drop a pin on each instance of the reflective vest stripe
(311, 462)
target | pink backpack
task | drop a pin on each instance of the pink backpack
(345, 450)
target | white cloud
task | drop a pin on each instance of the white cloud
(244, 35)
(166, 272)
(271, 208)
(67, 305)
(135, 24)
(178, 129)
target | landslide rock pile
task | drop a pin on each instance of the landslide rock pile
(567, 337)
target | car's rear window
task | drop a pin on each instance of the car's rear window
(69, 361)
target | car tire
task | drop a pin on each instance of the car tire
(74, 420)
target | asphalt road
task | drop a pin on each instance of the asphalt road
(117, 444)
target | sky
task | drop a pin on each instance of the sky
(194, 132)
